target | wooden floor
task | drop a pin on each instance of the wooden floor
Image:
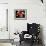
(6, 40)
(27, 44)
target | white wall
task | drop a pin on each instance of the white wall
(3, 1)
(35, 13)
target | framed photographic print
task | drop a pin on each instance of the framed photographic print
(21, 14)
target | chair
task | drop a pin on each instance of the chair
(33, 30)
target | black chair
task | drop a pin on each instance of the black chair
(32, 29)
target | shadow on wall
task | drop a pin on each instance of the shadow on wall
(41, 34)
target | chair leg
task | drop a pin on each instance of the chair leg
(20, 42)
(32, 42)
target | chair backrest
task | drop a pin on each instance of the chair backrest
(33, 28)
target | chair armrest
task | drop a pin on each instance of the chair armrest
(22, 35)
(24, 32)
